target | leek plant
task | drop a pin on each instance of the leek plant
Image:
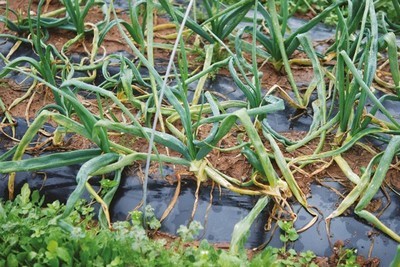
(281, 47)
(45, 65)
(353, 82)
(135, 29)
(223, 20)
(219, 24)
(319, 126)
(252, 89)
(73, 20)
(367, 188)
(76, 14)
(389, 42)
(21, 25)
(355, 70)
(51, 62)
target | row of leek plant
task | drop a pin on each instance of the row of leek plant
(352, 80)
(348, 84)
(74, 12)
(52, 63)
(353, 86)
(113, 157)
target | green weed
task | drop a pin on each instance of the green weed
(31, 236)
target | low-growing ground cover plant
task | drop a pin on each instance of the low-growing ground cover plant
(31, 237)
